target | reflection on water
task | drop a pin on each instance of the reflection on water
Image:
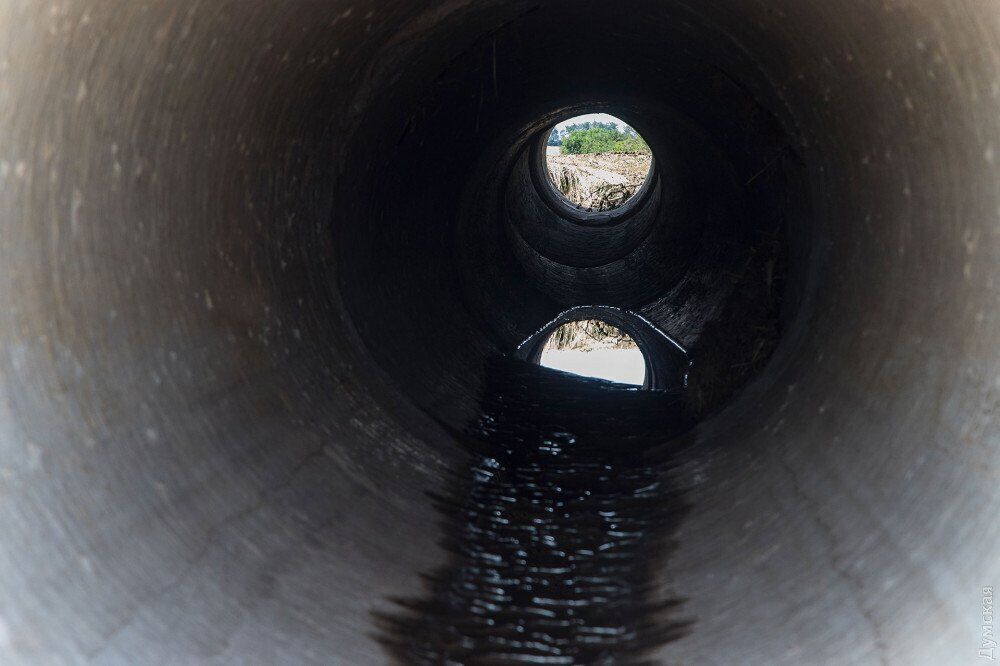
(555, 530)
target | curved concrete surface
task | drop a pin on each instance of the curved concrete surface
(255, 257)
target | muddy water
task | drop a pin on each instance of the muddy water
(555, 530)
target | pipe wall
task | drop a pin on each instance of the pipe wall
(256, 256)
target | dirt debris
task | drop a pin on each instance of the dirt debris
(599, 182)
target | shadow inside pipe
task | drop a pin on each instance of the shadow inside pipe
(556, 530)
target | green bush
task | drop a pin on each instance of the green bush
(602, 139)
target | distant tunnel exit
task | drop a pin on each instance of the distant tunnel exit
(594, 348)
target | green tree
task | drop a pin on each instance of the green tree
(590, 138)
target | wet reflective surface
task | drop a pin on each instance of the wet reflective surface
(555, 530)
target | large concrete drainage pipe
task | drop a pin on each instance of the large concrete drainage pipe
(257, 260)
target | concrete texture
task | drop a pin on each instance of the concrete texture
(249, 278)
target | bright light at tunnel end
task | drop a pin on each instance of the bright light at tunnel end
(623, 366)
(596, 350)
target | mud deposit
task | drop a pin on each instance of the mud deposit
(599, 182)
(555, 529)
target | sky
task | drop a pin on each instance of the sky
(590, 117)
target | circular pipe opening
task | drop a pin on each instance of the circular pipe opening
(597, 164)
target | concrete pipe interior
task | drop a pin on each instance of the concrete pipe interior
(257, 257)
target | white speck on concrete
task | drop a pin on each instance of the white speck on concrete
(970, 238)
(116, 166)
(74, 210)
(34, 457)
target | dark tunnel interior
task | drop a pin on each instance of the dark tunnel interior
(273, 273)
